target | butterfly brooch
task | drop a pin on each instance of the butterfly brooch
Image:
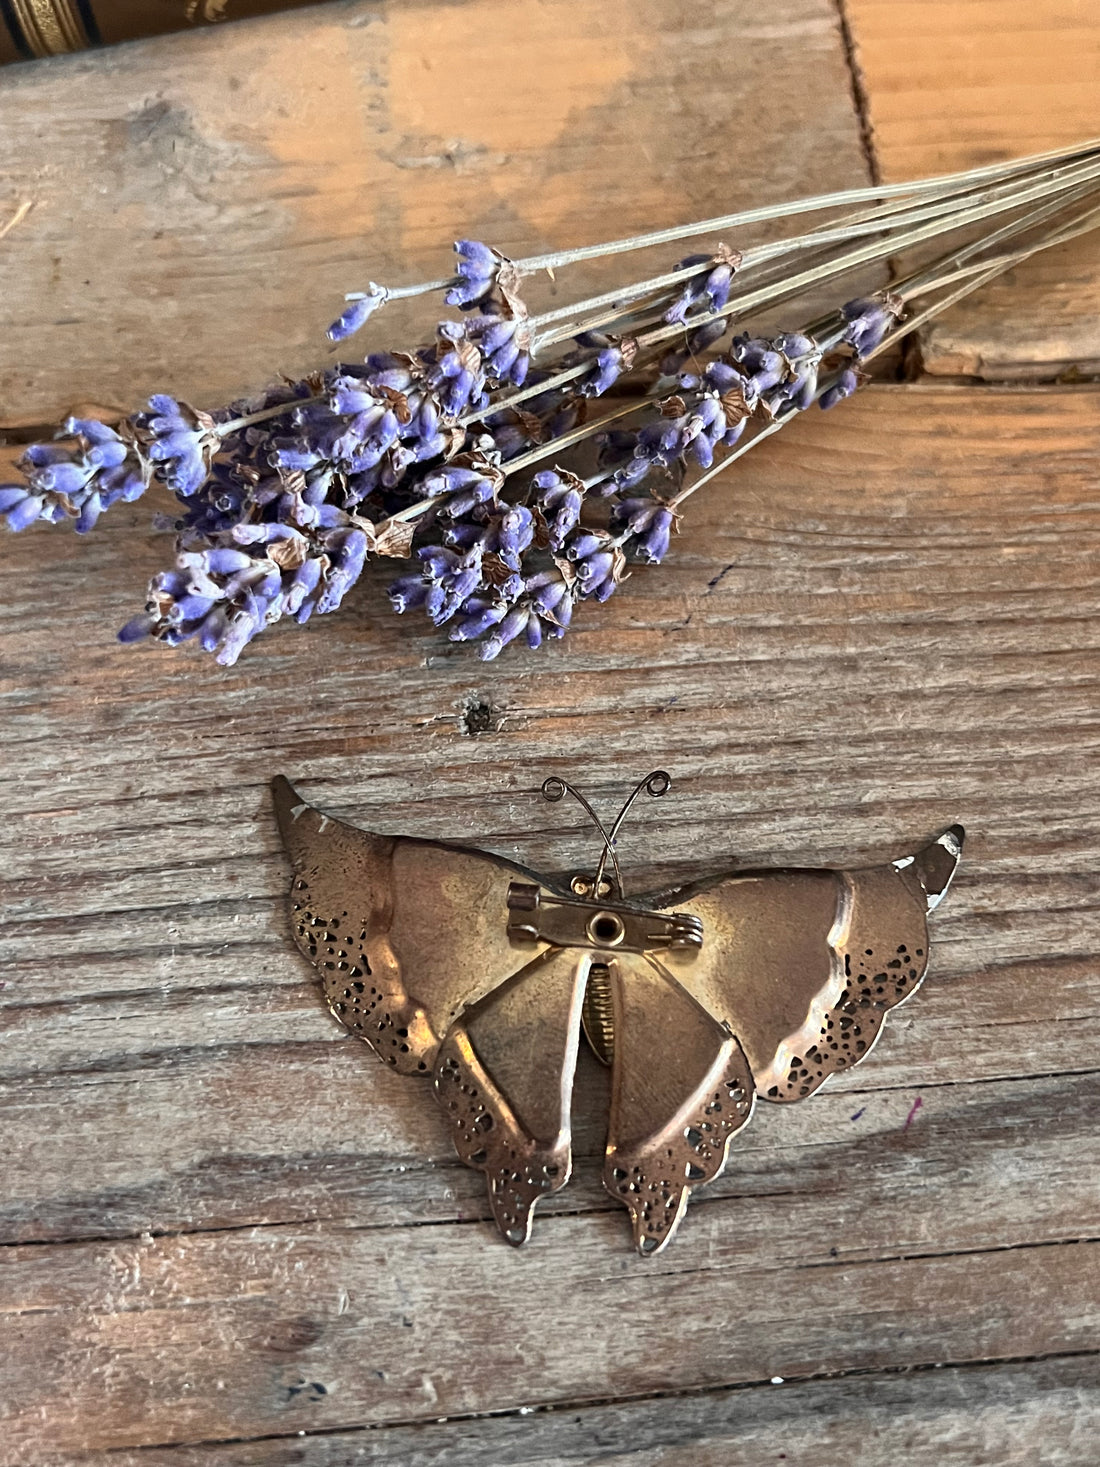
(472, 971)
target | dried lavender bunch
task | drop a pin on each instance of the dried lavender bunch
(484, 458)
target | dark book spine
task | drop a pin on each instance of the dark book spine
(34, 28)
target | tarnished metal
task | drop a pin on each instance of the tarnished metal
(473, 970)
(537, 916)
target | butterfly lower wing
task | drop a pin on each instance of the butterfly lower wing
(804, 965)
(504, 1077)
(403, 932)
(680, 1088)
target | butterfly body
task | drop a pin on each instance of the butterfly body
(483, 975)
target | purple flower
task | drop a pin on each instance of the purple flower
(514, 534)
(845, 384)
(698, 343)
(649, 525)
(477, 270)
(599, 564)
(610, 361)
(477, 617)
(224, 594)
(520, 621)
(76, 480)
(454, 577)
(347, 555)
(455, 370)
(456, 478)
(868, 320)
(504, 342)
(358, 312)
(407, 593)
(20, 507)
(479, 488)
(560, 496)
(180, 444)
(711, 284)
(762, 366)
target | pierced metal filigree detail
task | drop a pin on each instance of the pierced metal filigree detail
(460, 965)
(655, 1181)
(519, 1171)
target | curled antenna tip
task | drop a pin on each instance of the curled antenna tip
(658, 783)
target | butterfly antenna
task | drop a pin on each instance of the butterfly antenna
(554, 789)
(656, 784)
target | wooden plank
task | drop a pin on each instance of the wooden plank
(884, 620)
(268, 1331)
(226, 1141)
(954, 84)
(203, 201)
(1043, 1411)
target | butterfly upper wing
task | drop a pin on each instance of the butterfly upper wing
(403, 932)
(803, 965)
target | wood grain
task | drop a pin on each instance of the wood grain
(226, 1224)
(953, 1417)
(203, 201)
(953, 84)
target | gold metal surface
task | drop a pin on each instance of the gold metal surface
(49, 27)
(536, 916)
(469, 968)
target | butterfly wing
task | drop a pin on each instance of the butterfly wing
(680, 1088)
(796, 972)
(504, 1077)
(404, 933)
(803, 965)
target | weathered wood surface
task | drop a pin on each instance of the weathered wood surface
(202, 202)
(226, 1225)
(972, 1416)
(228, 1236)
(958, 83)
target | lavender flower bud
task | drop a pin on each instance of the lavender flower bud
(691, 291)
(794, 345)
(602, 375)
(584, 544)
(845, 384)
(653, 548)
(477, 271)
(869, 319)
(503, 342)
(347, 559)
(407, 592)
(77, 480)
(548, 596)
(510, 627)
(357, 313)
(178, 445)
(461, 503)
(594, 570)
(516, 531)
(450, 479)
(303, 587)
(137, 628)
(240, 631)
(481, 616)
(20, 508)
(213, 629)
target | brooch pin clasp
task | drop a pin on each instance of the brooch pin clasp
(571, 922)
